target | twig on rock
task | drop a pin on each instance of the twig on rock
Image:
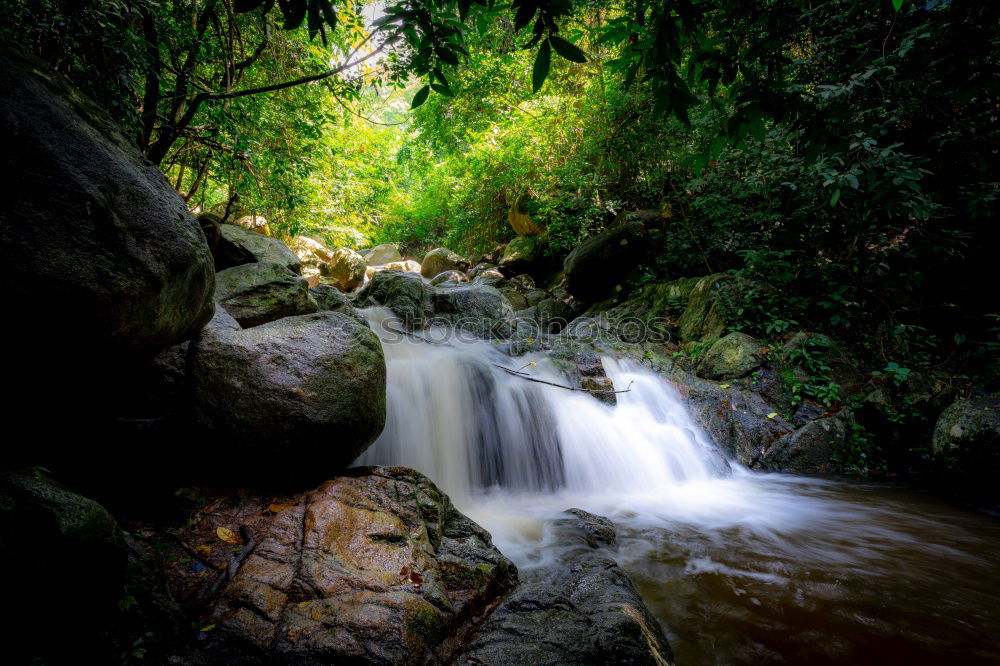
(523, 375)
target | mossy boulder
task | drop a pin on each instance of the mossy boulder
(293, 399)
(477, 309)
(238, 245)
(330, 298)
(966, 440)
(812, 449)
(735, 355)
(403, 293)
(86, 217)
(65, 553)
(702, 319)
(521, 254)
(254, 294)
(346, 270)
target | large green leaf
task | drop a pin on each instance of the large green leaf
(540, 71)
(566, 49)
(420, 97)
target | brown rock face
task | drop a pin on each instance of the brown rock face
(373, 567)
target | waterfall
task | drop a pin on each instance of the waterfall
(455, 415)
(711, 546)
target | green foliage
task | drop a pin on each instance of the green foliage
(861, 454)
(811, 359)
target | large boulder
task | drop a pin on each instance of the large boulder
(553, 315)
(300, 397)
(440, 260)
(403, 293)
(346, 269)
(310, 251)
(63, 549)
(382, 255)
(86, 218)
(477, 309)
(521, 254)
(254, 294)
(966, 441)
(238, 245)
(583, 609)
(702, 319)
(600, 263)
(735, 355)
(374, 567)
(812, 449)
(330, 298)
(741, 422)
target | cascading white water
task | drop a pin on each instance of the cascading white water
(741, 567)
(455, 415)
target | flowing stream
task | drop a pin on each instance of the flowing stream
(739, 567)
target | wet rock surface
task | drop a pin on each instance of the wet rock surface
(238, 245)
(307, 388)
(257, 293)
(375, 567)
(582, 610)
(86, 217)
(403, 293)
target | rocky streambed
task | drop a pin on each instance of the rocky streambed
(195, 393)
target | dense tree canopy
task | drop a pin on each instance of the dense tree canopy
(839, 158)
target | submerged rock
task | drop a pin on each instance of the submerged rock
(296, 398)
(254, 294)
(582, 610)
(376, 566)
(238, 245)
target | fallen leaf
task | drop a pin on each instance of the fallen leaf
(208, 627)
(723, 385)
(204, 548)
(227, 535)
(275, 508)
(772, 415)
